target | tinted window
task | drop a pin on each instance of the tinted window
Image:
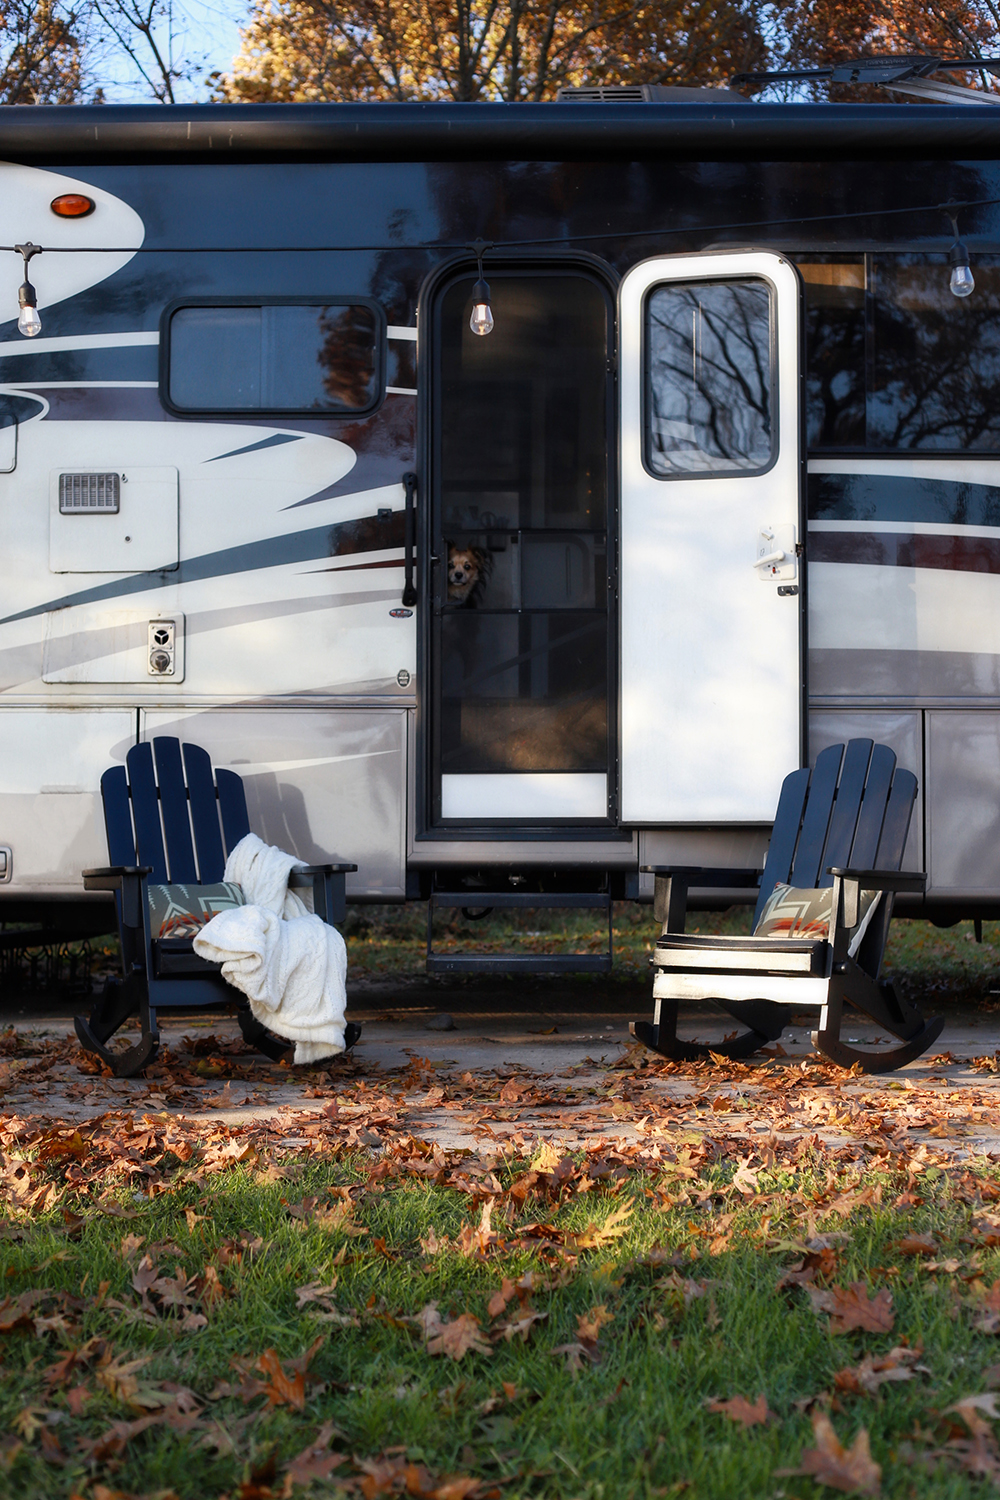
(305, 358)
(895, 361)
(835, 362)
(936, 357)
(708, 377)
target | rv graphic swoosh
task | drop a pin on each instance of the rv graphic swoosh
(366, 534)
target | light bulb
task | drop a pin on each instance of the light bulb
(28, 321)
(962, 280)
(481, 321)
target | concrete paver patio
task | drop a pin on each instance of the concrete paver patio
(522, 1064)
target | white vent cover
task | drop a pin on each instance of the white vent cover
(89, 494)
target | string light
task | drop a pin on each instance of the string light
(28, 321)
(481, 321)
(962, 282)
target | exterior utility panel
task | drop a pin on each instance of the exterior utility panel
(721, 487)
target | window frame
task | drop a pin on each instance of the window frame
(251, 412)
(772, 354)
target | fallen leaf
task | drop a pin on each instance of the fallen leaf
(917, 1244)
(577, 1355)
(520, 1325)
(986, 1403)
(316, 1461)
(589, 1325)
(455, 1339)
(739, 1409)
(614, 1226)
(879, 1369)
(315, 1291)
(852, 1469)
(851, 1307)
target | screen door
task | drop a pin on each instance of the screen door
(523, 680)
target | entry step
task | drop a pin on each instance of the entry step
(476, 900)
(519, 963)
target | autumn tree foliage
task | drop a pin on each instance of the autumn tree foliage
(467, 50)
(514, 50)
(42, 49)
(815, 33)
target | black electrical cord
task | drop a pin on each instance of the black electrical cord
(567, 240)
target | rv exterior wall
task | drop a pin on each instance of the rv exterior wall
(280, 558)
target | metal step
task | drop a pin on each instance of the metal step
(519, 963)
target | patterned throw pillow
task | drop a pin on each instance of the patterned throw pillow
(793, 913)
(181, 911)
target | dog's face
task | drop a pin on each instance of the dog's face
(464, 568)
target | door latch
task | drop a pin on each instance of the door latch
(776, 559)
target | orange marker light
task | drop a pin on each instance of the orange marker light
(72, 206)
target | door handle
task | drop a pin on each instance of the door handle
(770, 559)
(409, 587)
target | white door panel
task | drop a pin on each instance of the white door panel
(711, 696)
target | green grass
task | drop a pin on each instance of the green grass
(632, 1423)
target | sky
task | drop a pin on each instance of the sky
(206, 34)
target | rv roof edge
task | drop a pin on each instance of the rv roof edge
(420, 132)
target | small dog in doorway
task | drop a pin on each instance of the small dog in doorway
(468, 573)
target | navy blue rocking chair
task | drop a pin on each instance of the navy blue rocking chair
(820, 926)
(170, 825)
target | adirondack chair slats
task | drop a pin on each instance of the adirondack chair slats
(872, 816)
(174, 811)
(896, 823)
(170, 790)
(233, 807)
(787, 821)
(846, 808)
(117, 817)
(146, 812)
(808, 863)
(852, 814)
(204, 815)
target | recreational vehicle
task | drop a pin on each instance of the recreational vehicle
(511, 495)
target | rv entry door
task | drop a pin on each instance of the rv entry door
(711, 522)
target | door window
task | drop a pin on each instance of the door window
(708, 378)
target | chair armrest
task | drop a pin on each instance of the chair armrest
(673, 882)
(328, 884)
(112, 877)
(883, 880)
(301, 875)
(130, 881)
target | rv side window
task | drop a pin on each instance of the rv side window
(835, 360)
(895, 361)
(283, 357)
(936, 358)
(708, 378)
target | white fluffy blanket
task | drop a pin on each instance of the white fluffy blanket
(290, 965)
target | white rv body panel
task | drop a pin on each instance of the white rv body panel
(328, 784)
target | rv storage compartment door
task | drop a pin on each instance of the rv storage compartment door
(711, 585)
